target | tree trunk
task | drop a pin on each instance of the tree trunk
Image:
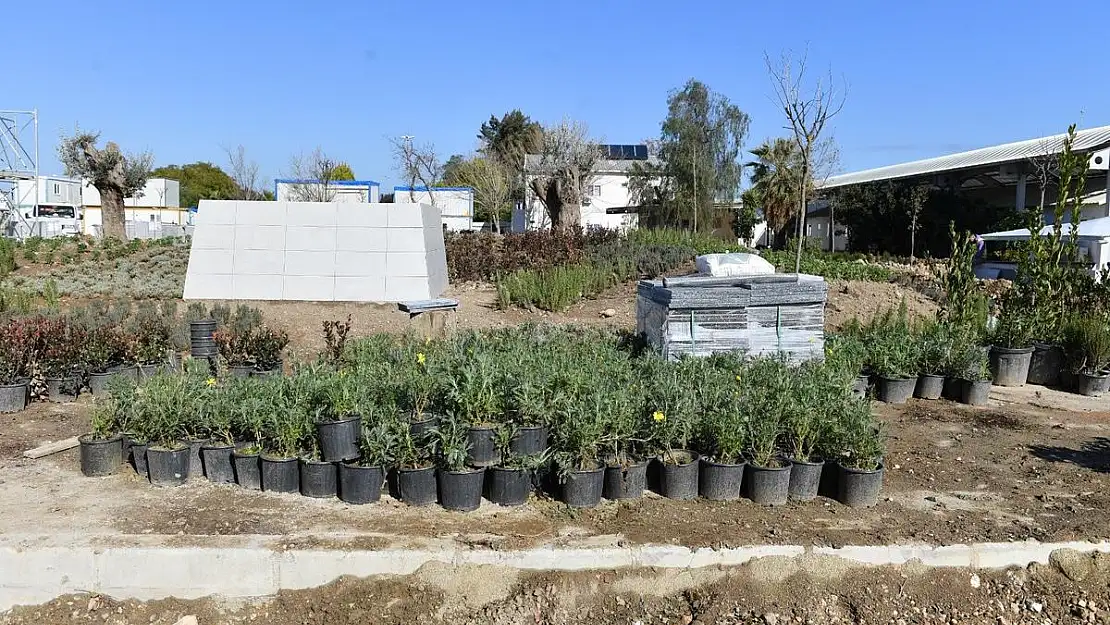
(913, 235)
(570, 217)
(112, 213)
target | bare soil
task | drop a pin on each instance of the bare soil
(1033, 465)
(1073, 588)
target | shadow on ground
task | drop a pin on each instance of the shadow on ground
(1094, 454)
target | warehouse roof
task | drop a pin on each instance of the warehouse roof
(1091, 139)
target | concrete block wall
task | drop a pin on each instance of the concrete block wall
(316, 251)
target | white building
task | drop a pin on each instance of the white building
(158, 203)
(455, 204)
(607, 201)
(54, 211)
(157, 193)
(356, 191)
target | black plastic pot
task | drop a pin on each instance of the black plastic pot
(582, 489)
(420, 429)
(202, 343)
(98, 382)
(483, 450)
(417, 487)
(975, 392)
(529, 441)
(217, 463)
(1069, 380)
(196, 465)
(280, 475)
(136, 455)
(860, 489)
(805, 479)
(929, 386)
(274, 371)
(147, 371)
(360, 485)
(1045, 364)
(128, 370)
(62, 390)
(679, 481)
(248, 470)
(1010, 367)
(861, 385)
(461, 490)
(895, 390)
(625, 482)
(953, 389)
(100, 456)
(508, 487)
(167, 467)
(769, 486)
(1091, 385)
(13, 397)
(319, 479)
(339, 439)
(240, 371)
(830, 480)
(720, 481)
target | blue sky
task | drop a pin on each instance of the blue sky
(183, 79)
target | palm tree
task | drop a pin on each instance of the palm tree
(775, 180)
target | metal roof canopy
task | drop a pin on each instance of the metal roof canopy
(1098, 228)
(1090, 139)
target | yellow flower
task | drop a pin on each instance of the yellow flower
(427, 340)
(210, 381)
(659, 416)
(420, 358)
(739, 379)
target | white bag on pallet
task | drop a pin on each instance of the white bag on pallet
(736, 264)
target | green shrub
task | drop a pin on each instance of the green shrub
(7, 257)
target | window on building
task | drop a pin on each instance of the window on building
(57, 188)
(594, 190)
(809, 229)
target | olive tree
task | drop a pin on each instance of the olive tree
(115, 175)
(563, 170)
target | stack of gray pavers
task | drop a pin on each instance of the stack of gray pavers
(700, 315)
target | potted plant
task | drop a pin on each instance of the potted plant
(530, 403)
(861, 476)
(158, 418)
(102, 448)
(265, 348)
(286, 429)
(234, 349)
(250, 417)
(338, 425)
(975, 375)
(460, 487)
(847, 354)
(934, 354)
(416, 389)
(895, 359)
(808, 409)
(623, 442)
(768, 473)
(319, 478)
(673, 404)
(360, 481)
(727, 430)
(61, 359)
(415, 476)
(577, 442)
(1089, 342)
(16, 349)
(510, 483)
(1011, 345)
(102, 345)
(475, 399)
(219, 405)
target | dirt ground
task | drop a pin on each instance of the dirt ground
(1033, 465)
(1073, 588)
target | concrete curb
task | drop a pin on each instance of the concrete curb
(38, 574)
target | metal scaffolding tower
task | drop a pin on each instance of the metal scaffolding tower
(19, 160)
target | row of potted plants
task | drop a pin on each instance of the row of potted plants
(495, 409)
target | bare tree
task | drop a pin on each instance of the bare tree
(563, 170)
(313, 177)
(1045, 170)
(491, 181)
(807, 109)
(418, 164)
(114, 174)
(244, 172)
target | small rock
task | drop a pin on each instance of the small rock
(187, 620)
(609, 312)
(1036, 606)
(1074, 565)
(770, 618)
(620, 600)
(975, 581)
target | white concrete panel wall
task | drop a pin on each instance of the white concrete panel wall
(316, 251)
